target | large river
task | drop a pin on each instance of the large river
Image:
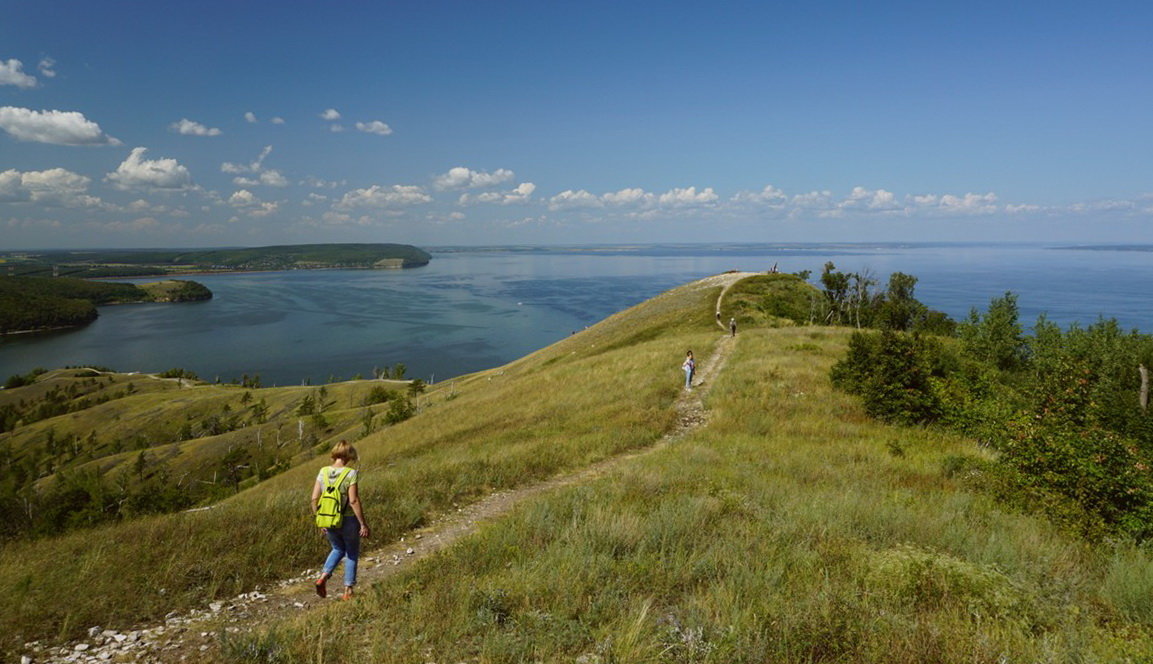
(474, 309)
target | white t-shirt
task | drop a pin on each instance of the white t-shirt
(332, 472)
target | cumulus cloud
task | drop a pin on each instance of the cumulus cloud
(136, 172)
(460, 177)
(251, 205)
(255, 167)
(12, 73)
(330, 114)
(872, 200)
(55, 127)
(378, 196)
(250, 117)
(629, 197)
(375, 127)
(769, 196)
(269, 178)
(320, 183)
(687, 197)
(55, 187)
(277, 120)
(969, 204)
(189, 128)
(569, 199)
(12, 187)
(47, 67)
(519, 194)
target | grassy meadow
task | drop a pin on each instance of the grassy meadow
(790, 528)
(588, 397)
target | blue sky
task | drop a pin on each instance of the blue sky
(433, 123)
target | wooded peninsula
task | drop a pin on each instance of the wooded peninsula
(29, 304)
(147, 262)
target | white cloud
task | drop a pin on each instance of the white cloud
(138, 172)
(866, 199)
(12, 73)
(336, 128)
(254, 207)
(769, 196)
(12, 187)
(969, 204)
(250, 117)
(460, 177)
(47, 67)
(569, 199)
(55, 187)
(55, 127)
(254, 167)
(814, 200)
(378, 196)
(277, 120)
(319, 183)
(519, 194)
(687, 197)
(269, 178)
(375, 127)
(634, 196)
(189, 128)
(330, 114)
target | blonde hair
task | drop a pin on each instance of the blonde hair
(344, 451)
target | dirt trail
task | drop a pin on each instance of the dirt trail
(193, 636)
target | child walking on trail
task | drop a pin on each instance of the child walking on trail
(345, 539)
(690, 367)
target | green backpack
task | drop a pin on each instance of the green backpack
(330, 507)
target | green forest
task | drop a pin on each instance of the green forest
(1063, 413)
(143, 262)
(42, 303)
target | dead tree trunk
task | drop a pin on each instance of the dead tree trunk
(1144, 394)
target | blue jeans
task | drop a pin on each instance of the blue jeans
(689, 378)
(345, 543)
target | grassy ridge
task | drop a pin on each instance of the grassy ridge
(571, 404)
(792, 528)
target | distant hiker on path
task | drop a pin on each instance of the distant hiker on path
(336, 500)
(690, 367)
(732, 327)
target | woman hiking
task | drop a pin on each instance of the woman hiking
(690, 367)
(345, 538)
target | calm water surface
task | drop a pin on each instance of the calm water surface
(474, 309)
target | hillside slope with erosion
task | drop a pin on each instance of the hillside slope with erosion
(787, 527)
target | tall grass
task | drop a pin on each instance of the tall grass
(574, 403)
(792, 528)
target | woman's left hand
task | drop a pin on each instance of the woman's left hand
(364, 531)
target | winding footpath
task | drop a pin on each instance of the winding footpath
(194, 636)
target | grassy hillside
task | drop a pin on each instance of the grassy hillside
(591, 396)
(791, 528)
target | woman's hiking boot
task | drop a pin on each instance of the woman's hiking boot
(322, 585)
(347, 593)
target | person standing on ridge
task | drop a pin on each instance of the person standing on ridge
(690, 368)
(732, 327)
(345, 538)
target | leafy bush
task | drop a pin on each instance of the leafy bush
(892, 373)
